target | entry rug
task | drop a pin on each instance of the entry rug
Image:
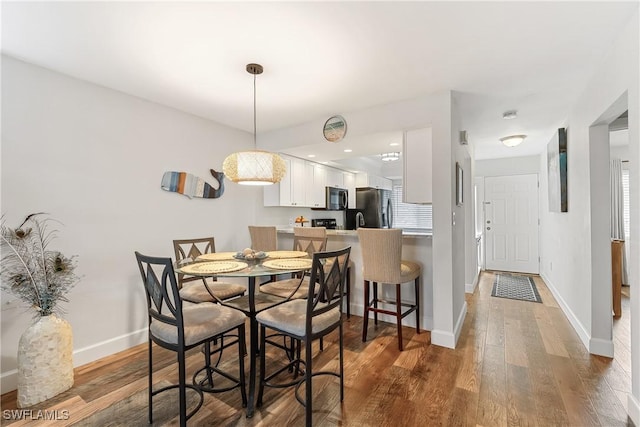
(514, 286)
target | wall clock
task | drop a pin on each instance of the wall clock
(335, 129)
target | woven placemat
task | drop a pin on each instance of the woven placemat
(217, 256)
(213, 267)
(286, 254)
(288, 264)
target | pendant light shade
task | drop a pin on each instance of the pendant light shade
(254, 167)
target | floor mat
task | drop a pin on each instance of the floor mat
(514, 286)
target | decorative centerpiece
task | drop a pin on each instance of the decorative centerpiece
(41, 278)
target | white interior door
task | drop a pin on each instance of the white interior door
(511, 223)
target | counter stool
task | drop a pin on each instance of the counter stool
(382, 263)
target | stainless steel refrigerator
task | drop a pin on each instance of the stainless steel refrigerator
(376, 207)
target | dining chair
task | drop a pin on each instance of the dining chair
(305, 239)
(178, 325)
(382, 263)
(305, 320)
(199, 289)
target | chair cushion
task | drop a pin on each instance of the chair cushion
(290, 317)
(283, 288)
(197, 291)
(201, 321)
(409, 270)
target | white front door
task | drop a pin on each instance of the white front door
(511, 223)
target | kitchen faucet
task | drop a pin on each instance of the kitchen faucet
(359, 220)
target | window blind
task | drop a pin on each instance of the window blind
(625, 191)
(409, 216)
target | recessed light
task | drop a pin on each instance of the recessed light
(348, 150)
(511, 114)
(394, 144)
(311, 155)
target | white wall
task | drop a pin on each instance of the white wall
(93, 158)
(567, 238)
(508, 166)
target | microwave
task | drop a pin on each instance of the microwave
(336, 199)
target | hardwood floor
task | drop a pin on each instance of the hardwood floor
(517, 363)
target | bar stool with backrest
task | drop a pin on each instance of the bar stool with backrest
(307, 320)
(382, 263)
(264, 238)
(199, 289)
(178, 325)
(305, 239)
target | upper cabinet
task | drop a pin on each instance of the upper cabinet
(417, 183)
(316, 181)
(304, 184)
(349, 180)
(290, 191)
(368, 180)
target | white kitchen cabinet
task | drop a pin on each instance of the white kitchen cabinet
(335, 178)
(417, 183)
(316, 181)
(349, 180)
(290, 191)
(374, 181)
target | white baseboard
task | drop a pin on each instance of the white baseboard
(82, 356)
(471, 288)
(593, 345)
(633, 409)
(446, 338)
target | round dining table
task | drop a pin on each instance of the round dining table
(232, 264)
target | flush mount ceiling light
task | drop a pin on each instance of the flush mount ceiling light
(512, 140)
(390, 157)
(256, 167)
(511, 114)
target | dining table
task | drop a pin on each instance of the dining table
(233, 264)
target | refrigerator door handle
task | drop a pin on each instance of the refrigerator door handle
(389, 214)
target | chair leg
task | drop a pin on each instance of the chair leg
(263, 350)
(375, 303)
(399, 315)
(242, 350)
(309, 392)
(417, 286)
(365, 318)
(207, 361)
(341, 349)
(348, 293)
(182, 388)
(150, 382)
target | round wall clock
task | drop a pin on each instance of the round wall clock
(335, 129)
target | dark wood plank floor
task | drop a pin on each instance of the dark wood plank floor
(517, 363)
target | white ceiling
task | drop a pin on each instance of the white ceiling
(326, 58)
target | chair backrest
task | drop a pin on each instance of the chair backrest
(310, 239)
(163, 300)
(328, 272)
(381, 254)
(191, 249)
(263, 238)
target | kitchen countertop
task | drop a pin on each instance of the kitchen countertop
(354, 233)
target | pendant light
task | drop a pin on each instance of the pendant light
(256, 167)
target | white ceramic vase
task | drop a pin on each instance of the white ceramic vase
(45, 360)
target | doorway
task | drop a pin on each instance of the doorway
(511, 223)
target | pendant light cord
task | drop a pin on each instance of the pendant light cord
(255, 144)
